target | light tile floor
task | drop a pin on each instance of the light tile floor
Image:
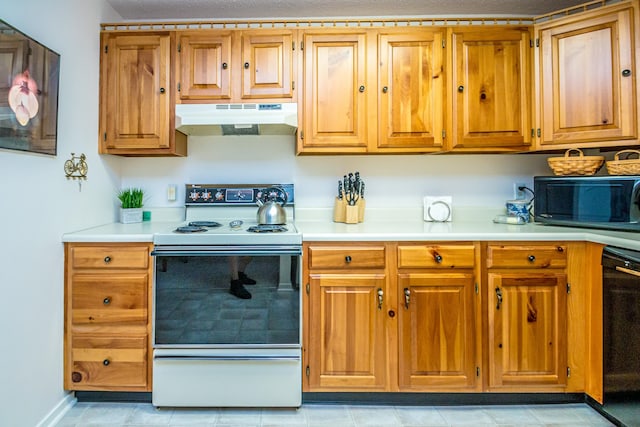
(309, 415)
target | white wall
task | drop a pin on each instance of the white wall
(472, 180)
(39, 204)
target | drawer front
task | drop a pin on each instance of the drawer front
(436, 256)
(108, 362)
(346, 257)
(112, 298)
(112, 257)
(534, 256)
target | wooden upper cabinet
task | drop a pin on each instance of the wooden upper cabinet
(490, 89)
(587, 79)
(137, 102)
(335, 109)
(411, 89)
(267, 64)
(204, 65)
(236, 66)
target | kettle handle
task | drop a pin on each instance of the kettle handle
(275, 193)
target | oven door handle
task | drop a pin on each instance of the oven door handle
(628, 271)
(226, 250)
(231, 358)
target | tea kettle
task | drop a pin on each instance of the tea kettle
(271, 210)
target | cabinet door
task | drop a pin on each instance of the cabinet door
(527, 329)
(586, 79)
(411, 89)
(205, 65)
(267, 65)
(336, 95)
(491, 89)
(137, 91)
(347, 341)
(437, 321)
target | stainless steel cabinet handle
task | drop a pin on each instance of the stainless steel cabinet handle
(380, 298)
(407, 296)
(499, 298)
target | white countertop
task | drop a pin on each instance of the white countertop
(404, 224)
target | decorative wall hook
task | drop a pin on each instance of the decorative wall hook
(76, 167)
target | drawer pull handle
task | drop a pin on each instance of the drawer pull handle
(531, 258)
(380, 298)
(437, 257)
(499, 298)
(107, 259)
(347, 259)
(407, 297)
(106, 362)
(106, 301)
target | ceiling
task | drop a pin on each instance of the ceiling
(141, 10)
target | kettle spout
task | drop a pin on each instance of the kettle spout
(259, 202)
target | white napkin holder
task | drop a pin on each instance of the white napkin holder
(437, 208)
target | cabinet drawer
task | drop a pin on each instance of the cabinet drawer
(534, 256)
(109, 257)
(112, 298)
(436, 256)
(346, 257)
(108, 361)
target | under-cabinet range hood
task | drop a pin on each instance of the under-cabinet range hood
(237, 119)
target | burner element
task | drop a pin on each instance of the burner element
(204, 224)
(267, 228)
(189, 229)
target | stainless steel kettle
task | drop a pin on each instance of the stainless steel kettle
(271, 210)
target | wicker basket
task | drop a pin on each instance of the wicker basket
(625, 166)
(572, 165)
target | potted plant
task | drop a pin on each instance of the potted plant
(130, 205)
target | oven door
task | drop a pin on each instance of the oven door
(194, 309)
(214, 349)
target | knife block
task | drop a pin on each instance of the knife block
(349, 214)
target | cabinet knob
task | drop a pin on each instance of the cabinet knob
(437, 257)
(385, 89)
(161, 90)
(106, 362)
(392, 313)
(361, 89)
(347, 259)
(106, 301)
(380, 298)
(560, 249)
(626, 73)
(76, 377)
(224, 66)
(246, 65)
(107, 259)
(407, 297)
(460, 88)
(498, 298)
(531, 258)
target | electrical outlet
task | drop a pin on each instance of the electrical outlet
(517, 193)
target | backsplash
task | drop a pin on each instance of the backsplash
(472, 180)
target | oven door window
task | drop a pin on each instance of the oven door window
(193, 306)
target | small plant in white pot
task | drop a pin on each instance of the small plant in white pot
(131, 205)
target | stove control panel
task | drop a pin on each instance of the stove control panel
(231, 194)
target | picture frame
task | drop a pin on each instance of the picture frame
(29, 81)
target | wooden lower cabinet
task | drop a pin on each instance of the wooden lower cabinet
(107, 316)
(527, 316)
(450, 317)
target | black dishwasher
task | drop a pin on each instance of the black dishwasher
(621, 334)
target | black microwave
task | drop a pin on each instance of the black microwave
(609, 202)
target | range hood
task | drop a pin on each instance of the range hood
(237, 119)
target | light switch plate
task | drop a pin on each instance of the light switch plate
(171, 192)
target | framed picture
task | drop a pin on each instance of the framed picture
(29, 78)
